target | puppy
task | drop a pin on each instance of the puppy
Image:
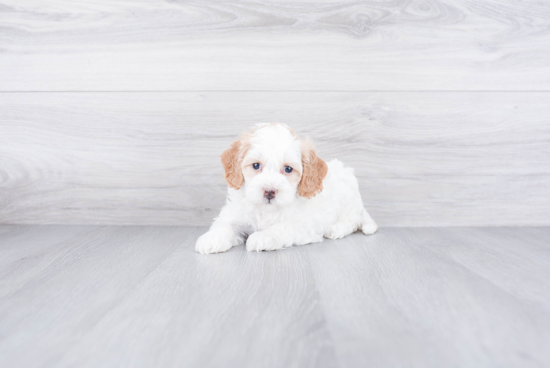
(282, 194)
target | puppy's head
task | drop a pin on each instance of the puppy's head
(272, 165)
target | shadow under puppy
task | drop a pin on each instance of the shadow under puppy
(282, 194)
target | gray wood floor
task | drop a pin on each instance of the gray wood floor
(100, 296)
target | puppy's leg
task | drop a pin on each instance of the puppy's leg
(282, 236)
(368, 226)
(220, 238)
(340, 229)
(264, 240)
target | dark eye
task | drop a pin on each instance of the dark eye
(288, 169)
(256, 166)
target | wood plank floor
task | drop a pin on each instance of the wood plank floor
(106, 296)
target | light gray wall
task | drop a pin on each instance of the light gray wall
(115, 112)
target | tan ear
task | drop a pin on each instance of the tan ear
(314, 171)
(231, 160)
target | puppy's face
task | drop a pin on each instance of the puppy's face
(272, 165)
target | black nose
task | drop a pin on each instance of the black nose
(269, 194)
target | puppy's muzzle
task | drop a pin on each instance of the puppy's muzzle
(269, 194)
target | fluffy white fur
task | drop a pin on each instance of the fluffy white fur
(250, 217)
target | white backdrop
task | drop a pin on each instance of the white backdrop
(116, 112)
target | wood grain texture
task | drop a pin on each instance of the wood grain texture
(274, 45)
(141, 297)
(437, 297)
(422, 159)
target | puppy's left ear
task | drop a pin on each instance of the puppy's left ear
(314, 171)
(231, 160)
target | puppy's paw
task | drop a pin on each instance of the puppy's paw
(338, 231)
(369, 228)
(213, 242)
(262, 240)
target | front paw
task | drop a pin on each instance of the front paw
(262, 240)
(213, 242)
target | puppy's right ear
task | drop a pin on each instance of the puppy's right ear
(231, 160)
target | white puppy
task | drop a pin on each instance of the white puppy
(281, 194)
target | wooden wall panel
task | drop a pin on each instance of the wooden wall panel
(423, 159)
(106, 45)
(115, 112)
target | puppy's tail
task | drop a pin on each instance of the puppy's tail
(368, 226)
